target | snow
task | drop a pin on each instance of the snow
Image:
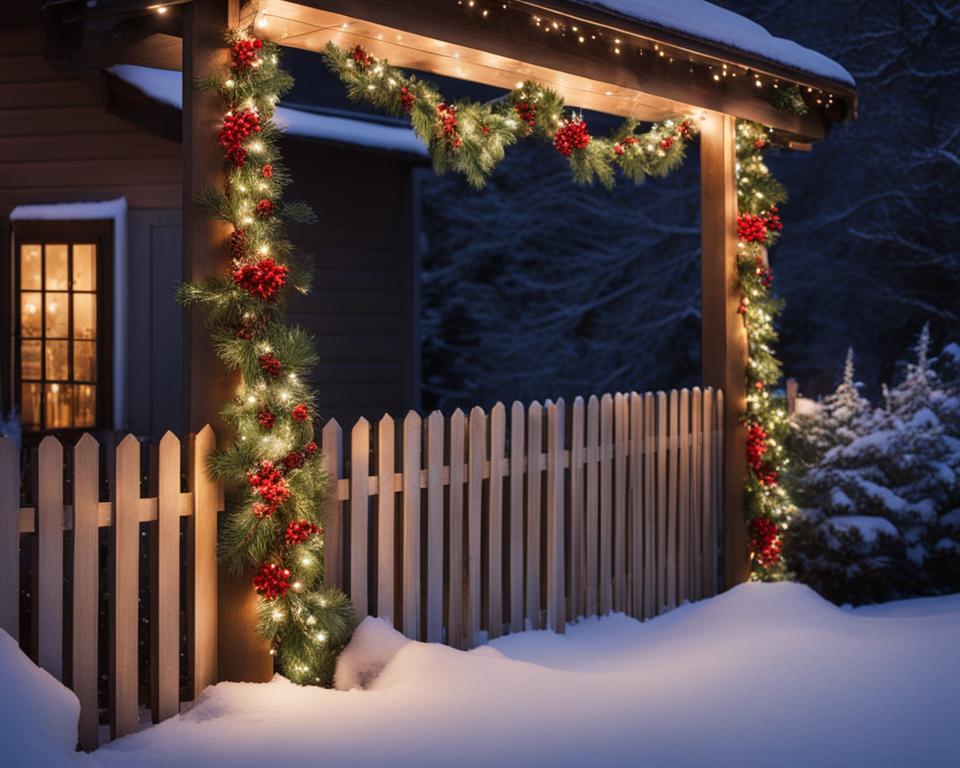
(165, 86)
(767, 670)
(372, 646)
(38, 716)
(718, 25)
(869, 527)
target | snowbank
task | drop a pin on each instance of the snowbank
(38, 716)
(766, 671)
(372, 646)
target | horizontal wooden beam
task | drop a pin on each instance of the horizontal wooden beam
(147, 513)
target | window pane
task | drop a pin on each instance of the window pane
(30, 360)
(30, 314)
(30, 405)
(86, 405)
(56, 267)
(84, 316)
(58, 315)
(59, 406)
(84, 361)
(30, 267)
(57, 361)
(84, 267)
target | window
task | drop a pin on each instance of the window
(60, 324)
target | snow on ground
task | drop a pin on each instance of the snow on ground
(764, 674)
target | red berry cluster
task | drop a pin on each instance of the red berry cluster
(570, 136)
(666, 143)
(271, 581)
(263, 279)
(756, 446)
(527, 113)
(406, 98)
(300, 413)
(760, 143)
(360, 57)
(310, 448)
(269, 484)
(266, 208)
(267, 171)
(620, 147)
(764, 273)
(294, 460)
(751, 228)
(765, 542)
(772, 217)
(270, 365)
(685, 129)
(447, 125)
(298, 531)
(266, 418)
(237, 126)
(244, 53)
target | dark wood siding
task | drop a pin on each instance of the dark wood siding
(59, 144)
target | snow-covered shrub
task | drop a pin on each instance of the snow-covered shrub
(879, 487)
(10, 427)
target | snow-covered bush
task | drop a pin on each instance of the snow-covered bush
(879, 487)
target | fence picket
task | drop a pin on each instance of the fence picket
(660, 558)
(706, 483)
(86, 586)
(412, 430)
(713, 518)
(48, 548)
(165, 567)
(683, 500)
(592, 527)
(386, 521)
(696, 496)
(534, 439)
(673, 454)
(456, 603)
(606, 506)
(9, 538)
(635, 509)
(203, 558)
(575, 602)
(359, 515)
(332, 450)
(476, 457)
(516, 516)
(556, 576)
(498, 428)
(434, 575)
(650, 600)
(621, 436)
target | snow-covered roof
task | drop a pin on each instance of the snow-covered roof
(164, 85)
(709, 22)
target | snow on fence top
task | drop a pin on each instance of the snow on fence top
(164, 85)
(707, 21)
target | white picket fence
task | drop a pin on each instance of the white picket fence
(43, 527)
(531, 521)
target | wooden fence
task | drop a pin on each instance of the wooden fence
(83, 514)
(531, 521)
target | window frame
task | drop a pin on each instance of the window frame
(72, 232)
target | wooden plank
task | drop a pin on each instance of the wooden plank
(556, 599)
(359, 515)
(517, 431)
(683, 500)
(635, 509)
(412, 428)
(696, 494)
(49, 558)
(476, 457)
(720, 513)
(650, 600)
(534, 462)
(125, 620)
(435, 528)
(498, 427)
(576, 605)
(621, 437)
(9, 538)
(592, 526)
(662, 453)
(456, 604)
(165, 603)
(606, 503)
(386, 521)
(707, 489)
(673, 439)
(723, 335)
(202, 560)
(86, 586)
(332, 454)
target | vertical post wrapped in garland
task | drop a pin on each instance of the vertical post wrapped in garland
(276, 483)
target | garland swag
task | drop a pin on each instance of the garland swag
(471, 138)
(275, 478)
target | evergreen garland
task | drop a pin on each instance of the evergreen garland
(273, 470)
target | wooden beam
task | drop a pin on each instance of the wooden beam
(723, 336)
(241, 654)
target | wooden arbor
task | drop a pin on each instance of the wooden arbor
(635, 70)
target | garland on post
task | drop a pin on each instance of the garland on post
(470, 138)
(276, 480)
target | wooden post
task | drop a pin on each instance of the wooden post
(242, 655)
(723, 337)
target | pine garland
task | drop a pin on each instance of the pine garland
(273, 470)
